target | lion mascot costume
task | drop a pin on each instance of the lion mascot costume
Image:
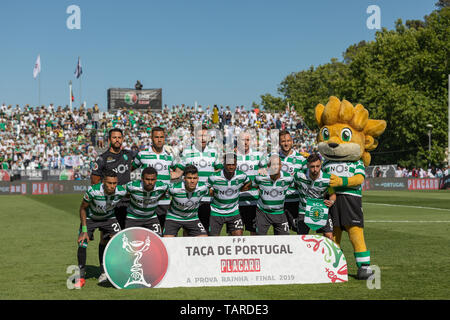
(345, 138)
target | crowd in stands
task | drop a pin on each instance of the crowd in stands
(432, 172)
(50, 137)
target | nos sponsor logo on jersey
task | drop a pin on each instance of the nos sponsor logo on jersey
(228, 192)
(122, 168)
(273, 193)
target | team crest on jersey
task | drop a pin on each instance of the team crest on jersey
(125, 157)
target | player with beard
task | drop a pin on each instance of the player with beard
(118, 160)
(292, 162)
(159, 157)
(249, 161)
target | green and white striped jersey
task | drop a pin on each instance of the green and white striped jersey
(249, 164)
(162, 162)
(313, 189)
(225, 200)
(143, 203)
(272, 194)
(206, 162)
(345, 169)
(184, 205)
(291, 164)
(101, 205)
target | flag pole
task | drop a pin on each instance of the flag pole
(70, 94)
(39, 90)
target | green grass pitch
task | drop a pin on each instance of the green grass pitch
(406, 232)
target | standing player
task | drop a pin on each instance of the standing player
(164, 163)
(272, 194)
(249, 162)
(292, 161)
(204, 158)
(314, 184)
(144, 196)
(118, 160)
(97, 212)
(183, 210)
(226, 186)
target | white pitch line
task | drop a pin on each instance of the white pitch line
(406, 221)
(401, 205)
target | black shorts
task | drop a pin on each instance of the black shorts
(216, 223)
(265, 220)
(204, 211)
(347, 211)
(108, 227)
(121, 213)
(302, 227)
(151, 224)
(291, 211)
(161, 212)
(193, 227)
(248, 215)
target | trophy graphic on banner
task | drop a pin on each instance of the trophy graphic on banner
(137, 248)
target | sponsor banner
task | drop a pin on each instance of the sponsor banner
(423, 184)
(13, 188)
(385, 184)
(138, 258)
(42, 188)
(386, 171)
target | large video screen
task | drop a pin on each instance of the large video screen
(144, 99)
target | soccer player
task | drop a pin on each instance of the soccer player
(183, 210)
(314, 184)
(97, 212)
(249, 162)
(119, 160)
(164, 163)
(226, 186)
(204, 158)
(292, 161)
(272, 194)
(144, 195)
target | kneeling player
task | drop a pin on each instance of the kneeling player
(183, 211)
(226, 186)
(314, 184)
(97, 212)
(272, 194)
(144, 196)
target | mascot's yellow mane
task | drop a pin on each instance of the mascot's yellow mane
(346, 132)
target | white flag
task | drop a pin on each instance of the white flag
(37, 67)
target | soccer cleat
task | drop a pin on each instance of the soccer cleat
(364, 272)
(102, 278)
(80, 283)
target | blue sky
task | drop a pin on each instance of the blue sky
(209, 51)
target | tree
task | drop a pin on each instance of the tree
(401, 76)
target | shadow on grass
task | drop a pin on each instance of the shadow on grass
(92, 272)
